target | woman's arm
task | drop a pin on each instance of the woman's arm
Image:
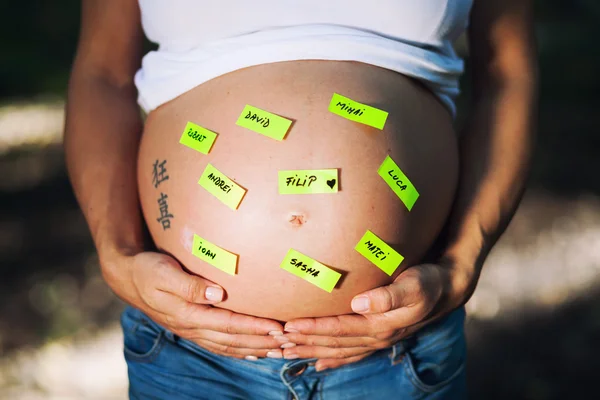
(103, 129)
(495, 153)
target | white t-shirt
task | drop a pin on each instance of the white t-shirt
(200, 40)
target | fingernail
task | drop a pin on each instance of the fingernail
(274, 354)
(320, 369)
(291, 330)
(360, 304)
(291, 356)
(213, 293)
(281, 339)
(275, 333)
(288, 345)
(251, 358)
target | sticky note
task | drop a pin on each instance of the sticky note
(357, 112)
(307, 181)
(398, 182)
(222, 187)
(310, 270)
(198, 138)
(379, 253)
(264, 122)
(214, 255)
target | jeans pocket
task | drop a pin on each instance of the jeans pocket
(437, 358)
(143, 340)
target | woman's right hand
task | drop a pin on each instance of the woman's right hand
(156, 284)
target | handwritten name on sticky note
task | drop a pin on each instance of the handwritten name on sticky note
(308, 181)
(357, 112)
(222, 187)
(198, 138)
(400, 184)
(310, 270)
(214, 255)
(379, 253)
(264, 122)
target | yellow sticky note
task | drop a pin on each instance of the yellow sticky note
(310, 270)
(214, 255)
(197, 138)
(222, 187)
(357, 112)
(305, 181)
(398, 182)
(379, 253)
(264, 122)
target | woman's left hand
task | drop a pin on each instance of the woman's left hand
(418, 296)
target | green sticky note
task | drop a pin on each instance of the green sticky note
(310, 270)
(198, 138)
(398, 182)
(357, 112)
(307, 181)
(379, 253)
(264, 122)
(222, 187)
(214, 255)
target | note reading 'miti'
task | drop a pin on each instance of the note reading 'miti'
(310, 270)
(214, 255)
(357, 112)
(197, 138)
(379, 253)
(398, 182)
(222, 187)
(264, 122)
(307, 181)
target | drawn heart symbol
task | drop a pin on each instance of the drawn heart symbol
(331, 183)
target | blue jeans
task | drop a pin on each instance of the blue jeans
(428, 365)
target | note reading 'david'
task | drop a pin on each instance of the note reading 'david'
(264, 122)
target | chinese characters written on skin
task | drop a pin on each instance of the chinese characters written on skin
(159, 175)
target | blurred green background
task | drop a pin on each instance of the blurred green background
(534, 321)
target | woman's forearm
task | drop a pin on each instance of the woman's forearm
(103, 128)
(495, 152)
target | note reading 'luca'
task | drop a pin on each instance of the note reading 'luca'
(264, 122)
(308, 181)
(222, 187)
(214, 255)
(398, 182)
(310, 270)
(357, 112)
(198, 138)
(379, 253)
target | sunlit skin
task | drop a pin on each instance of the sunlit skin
(102, 141)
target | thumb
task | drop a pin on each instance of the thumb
(386, 298)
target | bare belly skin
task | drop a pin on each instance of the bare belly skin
(418, 135)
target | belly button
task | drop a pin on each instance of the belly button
(297, 219)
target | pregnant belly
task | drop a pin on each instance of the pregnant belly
(326, 227)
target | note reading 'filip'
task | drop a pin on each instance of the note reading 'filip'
(309, 181)
(310, 270)
(264, 122)
(214, 255)
(357, 112)
(220, 186)
(379, 253)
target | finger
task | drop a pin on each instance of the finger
(235, 341)
(192, 288)
(330, 363)
(238, 352)
(341, 325)
(323, 352)
(334, 342)
(406, 291)
(179, 314)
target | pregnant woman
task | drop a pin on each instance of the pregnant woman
(260, 331)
